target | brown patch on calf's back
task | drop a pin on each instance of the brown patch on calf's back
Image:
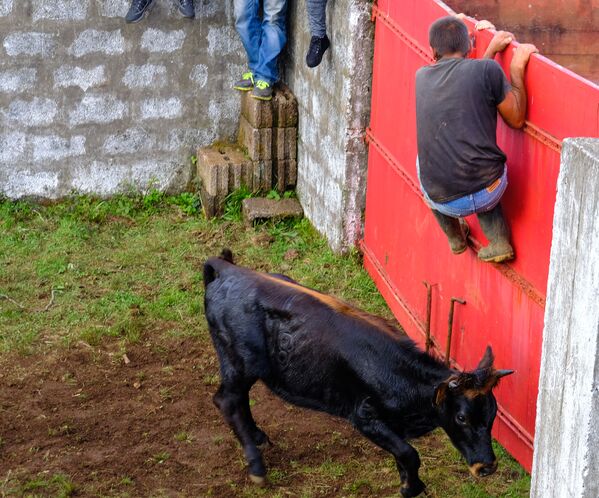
(334, 303)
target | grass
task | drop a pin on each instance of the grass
(57, 485)
(85, 269)
(89, 270)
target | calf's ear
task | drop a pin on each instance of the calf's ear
(453, 383)
(440, 393)
(503, 373)
(486, 363)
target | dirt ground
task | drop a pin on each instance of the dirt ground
(142, 426)
(100, 421)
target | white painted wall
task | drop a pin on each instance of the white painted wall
(566, 458)
(91, 104)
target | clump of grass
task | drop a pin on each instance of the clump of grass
(160, 457)
(232, 211)
(58, 485)
(183, 437)
(190, 204)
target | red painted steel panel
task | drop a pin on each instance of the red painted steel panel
(404, 247)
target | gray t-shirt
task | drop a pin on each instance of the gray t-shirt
(456, 115)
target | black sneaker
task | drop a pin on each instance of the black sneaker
(318, 47)
(186, 8)
(137, 10)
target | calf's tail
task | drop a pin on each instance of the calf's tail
(210, 272)
(227, 255)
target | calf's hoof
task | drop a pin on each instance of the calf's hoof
(414, 490)
(257, 472)
(261, 439)
(258, 480)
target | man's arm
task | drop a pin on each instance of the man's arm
(513, 107)
(499, 43)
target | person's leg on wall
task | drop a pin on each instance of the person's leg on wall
(248, 25)
(274, 38)
(319, 41)
(455, 229)
(137, 10)
(492, 221)
(186, 8)
(497, 232)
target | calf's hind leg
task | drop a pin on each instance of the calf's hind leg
(233, 402)
(260, 437)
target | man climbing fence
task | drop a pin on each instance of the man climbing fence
(460, 166)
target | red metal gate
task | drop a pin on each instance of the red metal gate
(407, 254)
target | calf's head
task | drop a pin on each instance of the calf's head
(467, 410)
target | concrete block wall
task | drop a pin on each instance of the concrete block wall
(566, 456)
(334, 111)
(93, 105)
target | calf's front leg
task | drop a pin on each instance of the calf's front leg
(406, 457)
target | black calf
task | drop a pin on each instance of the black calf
(319, 352)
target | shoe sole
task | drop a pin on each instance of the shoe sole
(460, 251)
(144, 14)
(192, 16)
(261, 98)
(243, 89)
(498, 259)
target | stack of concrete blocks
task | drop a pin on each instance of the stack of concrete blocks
(268, 156)
(268, 131)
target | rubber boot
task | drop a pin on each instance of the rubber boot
(498, 234)
(453, 229)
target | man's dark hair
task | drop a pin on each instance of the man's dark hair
(449, 35)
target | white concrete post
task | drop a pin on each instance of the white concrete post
(566, 457)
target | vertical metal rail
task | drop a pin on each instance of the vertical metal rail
(429, 299)
(450, 327)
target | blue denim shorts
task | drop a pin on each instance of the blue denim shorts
(478, 202)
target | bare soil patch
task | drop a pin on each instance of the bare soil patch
(146, 427)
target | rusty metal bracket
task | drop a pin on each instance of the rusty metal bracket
(429, 299)
(450, 327)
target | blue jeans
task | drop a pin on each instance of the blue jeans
(263, 37)
(479, 202)
(317, 17)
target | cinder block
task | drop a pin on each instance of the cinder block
(262, 175)
(284, 108)
(257, 141)
(260, 208)
(285, 174)
(259, 113)
(284, 144)
(221, 170)
(213, 170)
(241, 174)
(210, 204)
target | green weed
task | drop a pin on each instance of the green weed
(161, 457)
(232, 211)
(183, 437)
(59, 486)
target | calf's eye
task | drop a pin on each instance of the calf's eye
(460, 419)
